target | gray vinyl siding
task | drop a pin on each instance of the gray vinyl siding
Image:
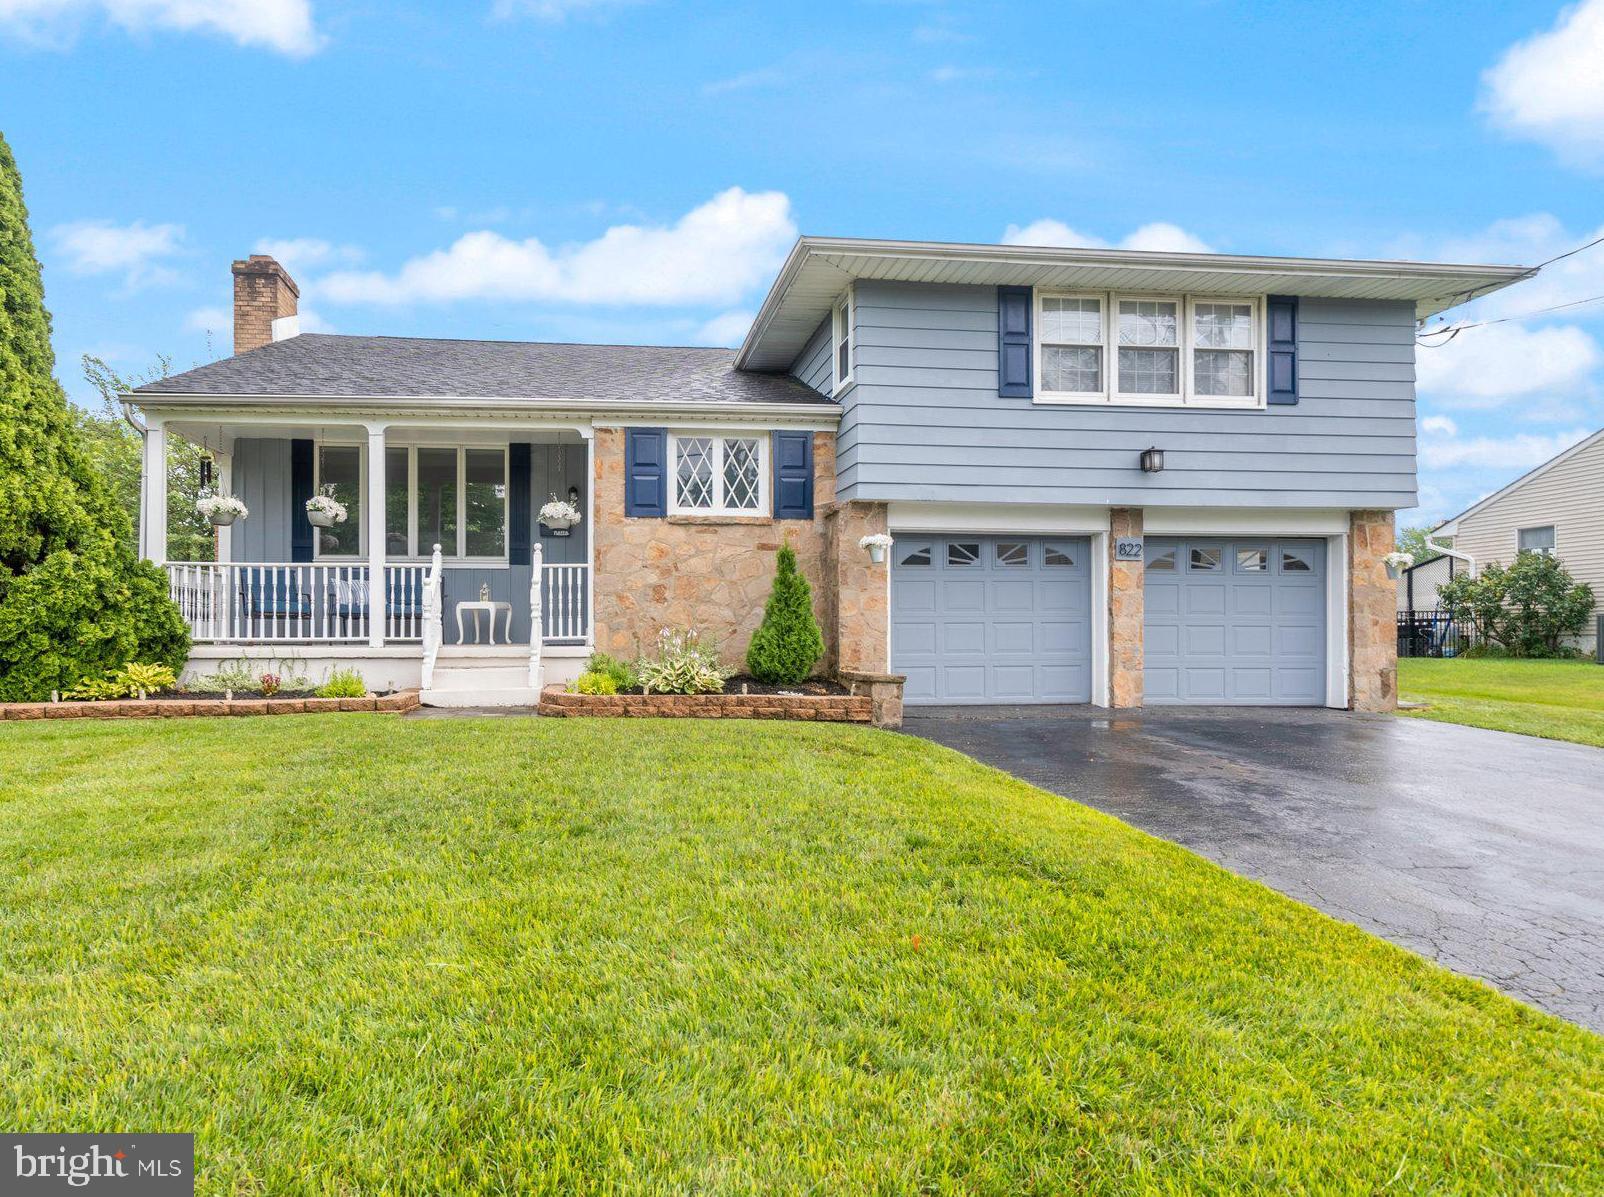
(262, 480)
(812, 365)
(923, 420)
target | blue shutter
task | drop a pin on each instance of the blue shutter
(1013, 342)
(793, 475)
(520, 501)
(646, 472)
(300, 492)
(1282, 355)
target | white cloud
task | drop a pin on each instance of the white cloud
(214, 320)
(728, 329)
(283, 25)
(959, 74)
(1550, 87)
(1504, 361)
(307, 253)
(776, 75)
(1439, 424)
(1519, 451)
(136, 251)
(715, 253)
(1158, 236)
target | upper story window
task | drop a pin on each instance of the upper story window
(720, 474)
(1536, 540)
(844, 340)
(1167, 350)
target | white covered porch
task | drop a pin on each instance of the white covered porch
(442, 560)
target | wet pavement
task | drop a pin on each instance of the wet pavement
(1479, 849)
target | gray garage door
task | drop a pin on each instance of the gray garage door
(992, 618)
(1235, 621)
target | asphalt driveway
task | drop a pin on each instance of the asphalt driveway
(1479, 849)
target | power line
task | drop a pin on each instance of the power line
(1454, 330)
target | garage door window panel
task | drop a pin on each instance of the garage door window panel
(1297, 561)
(1162, 560)
(1252, 560)
(1056, 555)
(963, 554)
(1203, 559)
(915, 554)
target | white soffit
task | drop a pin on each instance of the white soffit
(819, 269)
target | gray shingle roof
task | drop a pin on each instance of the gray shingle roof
(316, 364)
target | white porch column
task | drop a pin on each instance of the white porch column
(377, 607)
(590, 535)
(225, 486)
(153, 480)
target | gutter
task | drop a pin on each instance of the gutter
(1470, 562)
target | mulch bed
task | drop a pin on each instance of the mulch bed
(745, 683)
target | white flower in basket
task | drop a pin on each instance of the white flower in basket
(221, 510)
(559, 514)
(324, 510)
(877, 543)
(1397, 562)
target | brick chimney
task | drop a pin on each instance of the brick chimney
(264, 296)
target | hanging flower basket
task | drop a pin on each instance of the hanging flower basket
(877, 543)
(559, 514)
(1398, 562)
(221, 510)
(324, 511)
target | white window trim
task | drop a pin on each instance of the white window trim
(719, 436)
(1551, 551)
(450, 554)
(1046, 396)
(1185, 397)
(844, 310)
(362, 489)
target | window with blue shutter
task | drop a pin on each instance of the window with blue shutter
(1013, 342)
(301, 483)
(646, 472)
(793, 475)
(1281, 313)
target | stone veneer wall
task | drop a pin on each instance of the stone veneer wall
(1372, 614)
(860, 596)
(711, 573)
(1126, 611)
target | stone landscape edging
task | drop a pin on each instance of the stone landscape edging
(557, 702)
(180, 708)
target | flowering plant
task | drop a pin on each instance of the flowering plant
(685, 664)
(559, 513)
(1399, 560)
(875, 538)
(221, 505)
(326, 504)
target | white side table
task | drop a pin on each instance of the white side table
(490, 608)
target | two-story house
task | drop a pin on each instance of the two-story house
(1110, 477)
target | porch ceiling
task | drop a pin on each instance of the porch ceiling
(215, 432)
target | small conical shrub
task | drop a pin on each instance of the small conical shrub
(788, 642)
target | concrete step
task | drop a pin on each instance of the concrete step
(479, 677)
(483, 652)
(506, 696)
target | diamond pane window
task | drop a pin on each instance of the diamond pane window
(694, 474)
(741, 473)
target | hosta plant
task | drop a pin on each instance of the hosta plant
(684, 665)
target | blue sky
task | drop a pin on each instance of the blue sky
(604, 170)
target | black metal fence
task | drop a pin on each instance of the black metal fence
(1431, 634)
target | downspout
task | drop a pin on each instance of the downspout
(1470, 562)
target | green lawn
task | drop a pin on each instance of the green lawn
(359, 955)
(1559, 700)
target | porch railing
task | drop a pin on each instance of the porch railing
(316, 602)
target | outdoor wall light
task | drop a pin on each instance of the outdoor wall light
(573, 496)
(1152, 461)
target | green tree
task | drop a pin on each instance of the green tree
(1528, 607)
(75, 603)
(788, 641)
(1413, 542)
(115, 450)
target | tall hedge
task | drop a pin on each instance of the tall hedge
(74, 602)
(788, 641)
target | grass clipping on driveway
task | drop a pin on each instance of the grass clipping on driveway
(1558, 700)
(358, 955)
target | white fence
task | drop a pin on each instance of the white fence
(306, 602)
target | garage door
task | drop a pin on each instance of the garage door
(992, 618)
(1235, 621)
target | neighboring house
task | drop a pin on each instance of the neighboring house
(1113, 477)
(1557, 508)
(1418, 585)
